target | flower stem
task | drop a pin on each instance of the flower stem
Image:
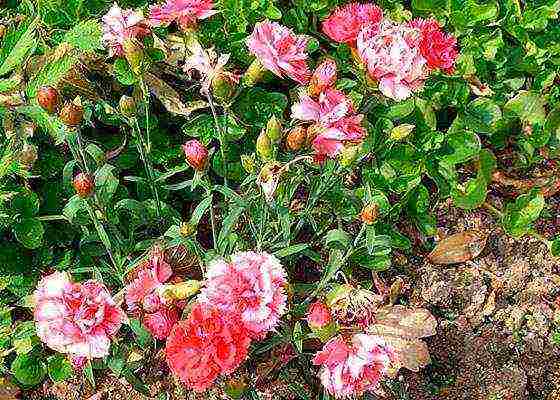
(221, 135)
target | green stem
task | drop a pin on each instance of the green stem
(148, 168)
(104, 238)
(212, 215)
(221, 135)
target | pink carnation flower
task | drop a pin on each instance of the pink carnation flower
(323, 77)
(318, 315)
(142, 291)
(392, 56)
(346, 21)
(120, 25)
(160, 323)
(438, 48)
(251, 286)
(207, 344)
(184, 12)
(331, 141)
(330, 107)
(280, 51)
(78, 319)
(350, 369)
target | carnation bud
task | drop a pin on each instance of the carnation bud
(83, 184)
(127, 106)
(72, 114)
(348, 155)
(181, 290)
(401, 132)
(2, 30)
(264, 146)
(323, 77)
(296, 138)
(223, 87)
(186, 229)
(248, 163)
(253, 74)
(134, 54)
(47, 97)
(196, 154)
(369, 213)
(274, 129)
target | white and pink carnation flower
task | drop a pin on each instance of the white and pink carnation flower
(345, 22)
(185, 12)
(331, 106)
(280, 51)
(391, 53)
(350, 368)
(78, 319)
(252, 286)
(120, 25)
(143, 295)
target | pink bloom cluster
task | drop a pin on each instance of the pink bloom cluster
(318, 315)
(346, 21)
(331, 112)
(78, 319)
(251, 286)
(349, 368)
(120, 25)
(185, 12)
(391, 53)
(143, 295)
(398, 56)
(207, 344)
(280, 51)
(243, 300)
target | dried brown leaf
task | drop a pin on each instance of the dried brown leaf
(402, 328)
(458, 248)
(170, 98)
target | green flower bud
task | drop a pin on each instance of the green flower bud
(401, 132)
(274, 129)
(253, 74)
(264, 146)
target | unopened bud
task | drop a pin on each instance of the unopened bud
(2, 30)
(369, 213)
(264, 146)
(187, 229)
(72, 113)
(134, 54)
(196, 154)
(274, 129)
(83, 184)
(296, 138)
(348, 155)
(401, 132)
(253, 74)
(47, 97)
(248, 163)
(127, 106)
(223, 87)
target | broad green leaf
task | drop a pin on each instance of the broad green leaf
(59, 368)
(337, 238)
(519, 216)
(50, 123)
(105, 183)
(466, 146)
(200, 209)
(527, 106)
(141, 335)
(29, 232)
(28, 369)
(472, 195)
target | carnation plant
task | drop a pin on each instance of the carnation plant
(216, 185)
